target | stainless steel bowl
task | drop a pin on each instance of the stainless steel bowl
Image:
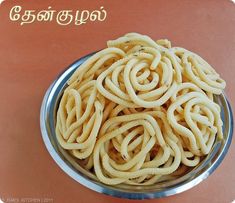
(70, 165)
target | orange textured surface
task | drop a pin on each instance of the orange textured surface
(32, 55)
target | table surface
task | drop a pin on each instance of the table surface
(32, 56)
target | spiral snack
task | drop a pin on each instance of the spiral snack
(140, 111)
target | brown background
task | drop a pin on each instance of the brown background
(31, 57)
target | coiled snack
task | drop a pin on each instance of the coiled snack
(139, 112)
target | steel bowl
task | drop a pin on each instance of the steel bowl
(71, 167)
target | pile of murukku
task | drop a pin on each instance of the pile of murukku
(140, 111)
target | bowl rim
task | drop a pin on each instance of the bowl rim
(102, 188)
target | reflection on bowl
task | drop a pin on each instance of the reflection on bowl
(70, 165)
